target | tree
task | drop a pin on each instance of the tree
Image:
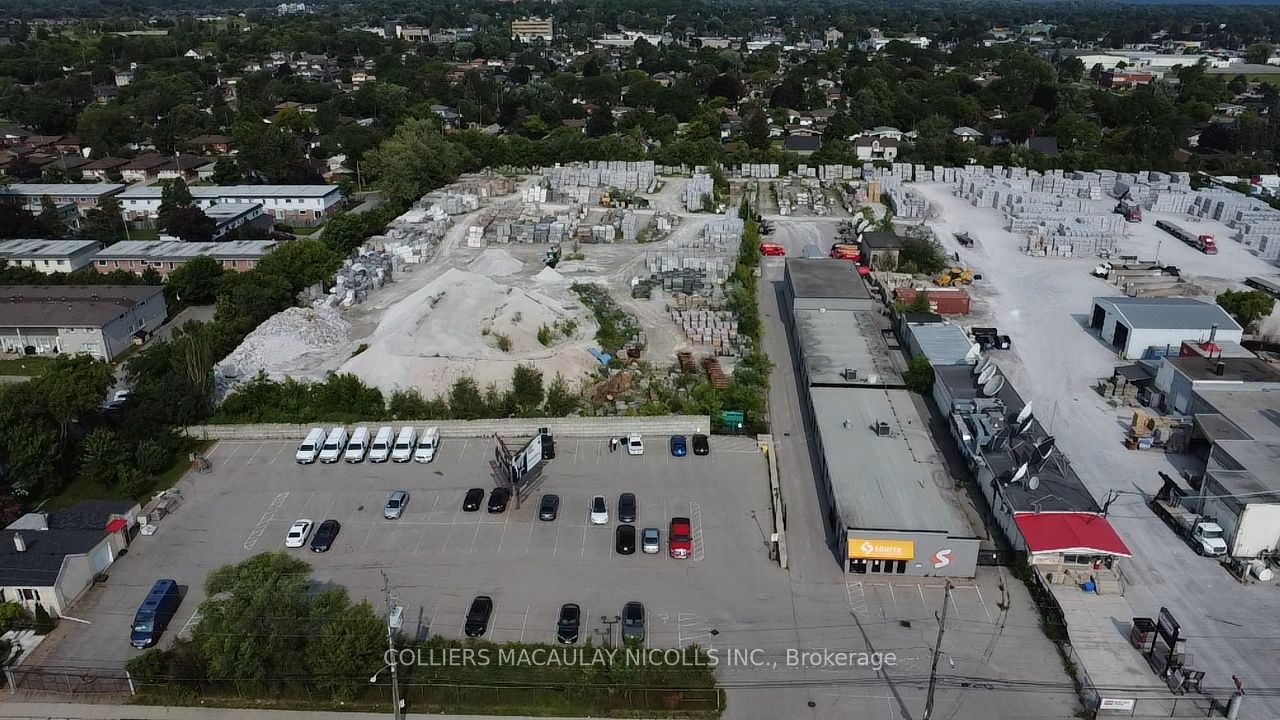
(301, 263)
(465, 401)
(1259, 53)
(918, 304)
(560, 400)
(756, 130)
(195, 282)
(919, 375)
(103, 458)
(71, 388)
(226, 172)
(600, 123)
(105, 222)
(414, 161)
(1247, 306)
(105, 129)
(48, 221)
(526, 389)
(353, 640)
(43, 623)
(234, 635)
(179, 216)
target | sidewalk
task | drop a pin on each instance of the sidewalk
(74, 711)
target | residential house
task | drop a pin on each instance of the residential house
(143, 168)
(49, 256)
(103, 168)
(1045, 145)
(165, 256)
(885, 132)
(183, 166)
(1124, 79)
(51, 559)
(302, 205)
(870, 149)
(967, 134)
(97, 320)
(802, 144)
(212, 144)
(82, 197)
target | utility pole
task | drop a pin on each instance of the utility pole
(391, 648)
(937, 651)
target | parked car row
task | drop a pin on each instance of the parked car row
(568, 622)
(379, 446)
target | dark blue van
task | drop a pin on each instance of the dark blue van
(155, 613)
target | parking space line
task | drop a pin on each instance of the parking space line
(195, 618)
(267, 517)
(858, 605)
(695, 515)
(493, 622)
(367, 535)
(255, 454)
(463, 452)
(473, 538)
(278, 453)
(555, 549)
(582, 552)
(892, 595)
(506, 521)
(234, 449)
(431, 621)
(529, 540)
(525, 622)
(577, 450)
(922, 600)
(986, 611)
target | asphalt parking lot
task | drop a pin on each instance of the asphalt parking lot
(438, 558)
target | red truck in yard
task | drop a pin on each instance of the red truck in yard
(1203, 243)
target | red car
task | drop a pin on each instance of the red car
(680, 538)
(772, 250)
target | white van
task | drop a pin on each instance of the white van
(358, 446)
(428, 442)
(402, 451)
(380, 450)
(334, 443)
(310, 447)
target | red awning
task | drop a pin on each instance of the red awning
(116, 525)
(1076, 533)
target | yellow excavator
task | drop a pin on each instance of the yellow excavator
(954, 276)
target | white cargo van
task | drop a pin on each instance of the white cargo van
(358, 446)
(428, 442)
(310, 447)
(380, 450)
(402, 451)
(334, 443)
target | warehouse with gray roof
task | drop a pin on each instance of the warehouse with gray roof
(887, 495)
(1146, 327)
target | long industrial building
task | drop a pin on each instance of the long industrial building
(878, 468)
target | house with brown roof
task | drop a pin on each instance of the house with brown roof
(143, 168)
(215, 144)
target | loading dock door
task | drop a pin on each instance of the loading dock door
(1120, 338)
(1099, 317)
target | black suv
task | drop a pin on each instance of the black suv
(549, 508)
(567, 625)
(478, 616)
(627, 508)
(624, 539)
(471, 503)
(498, 500)
(700, 445)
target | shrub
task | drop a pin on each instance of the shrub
(43, 622)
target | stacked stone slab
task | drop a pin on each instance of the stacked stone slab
(716, 329)
(700, 187)
(631, 176)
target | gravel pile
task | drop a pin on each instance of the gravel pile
(283, 345)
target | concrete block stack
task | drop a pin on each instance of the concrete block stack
(475, 236)
(623, 175)
(717, 329)
(629, 225)
(413, 236)
(836, 173)
(700, 187)
(359, 276)
(534, 194)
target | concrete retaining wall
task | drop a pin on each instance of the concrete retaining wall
(515, 427)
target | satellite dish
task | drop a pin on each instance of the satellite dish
(1045, 448)
(985, 376)
(1021, 473)
(1026, 413)
(975, 350)
(992, 386)
(983, 364)
(1033, 482)
(1025, 426)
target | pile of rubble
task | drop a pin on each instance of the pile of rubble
(282, 345)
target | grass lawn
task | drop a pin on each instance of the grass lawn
(24, 365)
(82, 489)
(304, 231)
(144, 234)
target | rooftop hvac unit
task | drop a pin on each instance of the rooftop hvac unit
(882, 428)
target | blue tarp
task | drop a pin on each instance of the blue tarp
(604, 357)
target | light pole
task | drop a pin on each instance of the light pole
(391, 648)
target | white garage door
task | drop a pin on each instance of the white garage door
(100, 558)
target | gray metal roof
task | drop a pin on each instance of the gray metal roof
(60, 189)
(1171, 313)
(834, 341)
(1060, 489)
(825, 278)
(45, 248)
(882, 482)
(177, 250)
(207, 192)
(943, 344)
(69, 305)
